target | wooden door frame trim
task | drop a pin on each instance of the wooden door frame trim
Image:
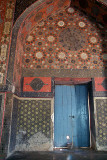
(71, 81)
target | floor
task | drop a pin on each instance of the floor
(75, 154)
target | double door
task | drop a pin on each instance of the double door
(71, 117)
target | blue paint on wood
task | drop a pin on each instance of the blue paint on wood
(71, 116)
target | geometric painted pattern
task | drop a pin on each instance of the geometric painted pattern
(6, 17)
(101, 107)
(100, 84)
(37, 84)
(34, 116)
(65, 40)
(2, 108)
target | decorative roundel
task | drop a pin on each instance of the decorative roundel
(61, 23)
(81, 24)
(84, 55)
(72, 39)
(51, 38)
(93, 40)
(61, 55)
(30, 38)
(39, 54)
(70, 10)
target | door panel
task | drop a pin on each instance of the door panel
(71, 115)
(82, 117)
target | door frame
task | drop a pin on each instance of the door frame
(75, 81)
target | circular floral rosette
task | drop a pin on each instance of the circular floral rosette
(70, 10)
(94, 41)
(62, 59)
(82, 24)
(83, 60)
(61, 23)
(84, 56)
(30, 39)
(51, 38)
(41, 24)
(39, 56)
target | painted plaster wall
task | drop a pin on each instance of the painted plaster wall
(82, 63)
(6, 107)
(32, 125)
(101, 122)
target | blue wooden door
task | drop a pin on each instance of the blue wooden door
(71, 116)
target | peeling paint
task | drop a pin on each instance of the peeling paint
(37, 142)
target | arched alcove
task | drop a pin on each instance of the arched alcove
(52, 39)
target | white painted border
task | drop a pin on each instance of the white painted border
(28, 98)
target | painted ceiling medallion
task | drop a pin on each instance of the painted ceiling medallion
(39, 55)
(30, 38)
(36, 84)
(84, 55)
(72, 39)
(61, 23)
(93, 39)
(81, 24)
(51, 38)
(61, 55)
(70, 10)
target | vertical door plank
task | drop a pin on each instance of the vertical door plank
(82, 115)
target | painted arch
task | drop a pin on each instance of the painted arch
(51, 36)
